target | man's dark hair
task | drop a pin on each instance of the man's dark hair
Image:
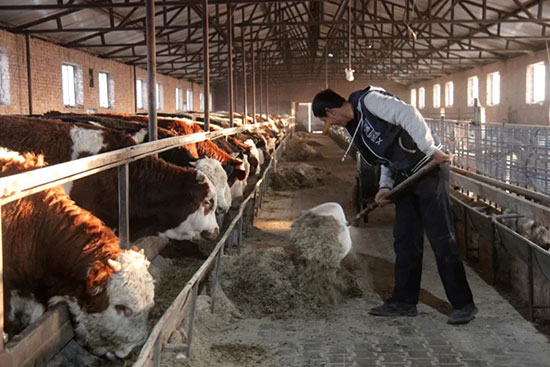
(326, 99)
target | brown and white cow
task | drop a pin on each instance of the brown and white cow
(55, 251)
(180, 156)
(176, 202)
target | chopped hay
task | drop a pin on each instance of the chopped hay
(300, 150)
(298, 176)
(272, 282)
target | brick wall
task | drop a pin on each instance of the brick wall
(46, 80)
(281, 95)
(15, 47)
(512, 108)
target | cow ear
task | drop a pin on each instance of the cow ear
(98, 276)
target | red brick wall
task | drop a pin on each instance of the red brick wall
(47, 94)
(15, 46)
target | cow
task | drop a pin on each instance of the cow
(54, 251)
(180, 156)
(201, 149)
(177, 202)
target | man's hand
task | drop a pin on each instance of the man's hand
(440, 157)
(380, 197)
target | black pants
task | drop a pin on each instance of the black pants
(426, 206)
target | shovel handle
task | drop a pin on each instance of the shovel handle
(399, 188)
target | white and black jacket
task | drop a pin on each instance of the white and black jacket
(389, 132)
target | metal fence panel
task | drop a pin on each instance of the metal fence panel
(515, 154)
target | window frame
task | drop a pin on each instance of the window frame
(449, 94)
(471, 89)
(421, 98)
(532, 80)
(436, 96)
(491, 99)
(68, 86)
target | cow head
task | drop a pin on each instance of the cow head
(238, 186)
(125, 289)
(201, 224)
(214, 171)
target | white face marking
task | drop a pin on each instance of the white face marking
(24, 310)
(237, 189)
(255, 153)
(123, 325)
(335, 210)
(198, 221)
(139, 137)
(214, 171)
(84, 141)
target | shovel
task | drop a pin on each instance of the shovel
(396, 190)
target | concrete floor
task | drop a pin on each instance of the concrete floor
(499, 336)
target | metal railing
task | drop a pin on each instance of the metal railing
(185, 302)
(515, 154)
(20, 185)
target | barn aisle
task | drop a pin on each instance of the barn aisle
(348, 336)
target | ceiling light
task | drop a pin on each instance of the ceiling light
(349, 75)
(330, 54)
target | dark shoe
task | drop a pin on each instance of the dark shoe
(394, 309)
(463, 315)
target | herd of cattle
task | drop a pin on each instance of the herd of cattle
(60, 244)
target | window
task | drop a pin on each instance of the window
(141, 92)
(160, 97)
(536, 82)
(189, 98)
(106, 91)
(201, 101)
(413, 97)
(4, 78)
(69, 84)
(179, 100)
(437, 96)
(493, 89)
(449, 94)
(421, 97)
(473, 90)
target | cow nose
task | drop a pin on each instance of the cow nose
(210, 235)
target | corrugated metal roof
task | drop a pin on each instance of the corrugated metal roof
(295, 36)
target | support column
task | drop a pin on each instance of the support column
(151, 69)
(253, 84)
(206, 61)
(261, 75)
(230, 60)
(29, 78)
(245, 93)
(266, 90)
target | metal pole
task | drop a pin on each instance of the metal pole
(253, 84)
(245, 96)
(230, 60)
(261, 73)
(1, 288)
(206, 60)
(531, 285)
(215, 281)
(192, 314)
(123, 210)
(266, 90)
(151, 69)
(29, 79)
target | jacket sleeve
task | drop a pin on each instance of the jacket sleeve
(399, 113)
(386, 177)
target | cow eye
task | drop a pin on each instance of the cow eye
(124, 309)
